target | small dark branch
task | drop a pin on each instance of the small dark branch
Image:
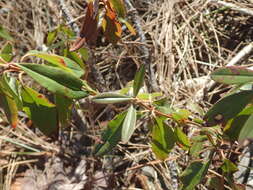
(69, 18)
(144, 50)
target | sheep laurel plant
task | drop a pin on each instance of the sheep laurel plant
(229, 120)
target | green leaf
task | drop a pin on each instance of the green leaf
(75, 57)
(9, 106)
(128, 124)
(163, 139)
(182, 138)
(181, 115)
(51, 37)
(84, 53)
(110, 98)
(59, 61)
(10, 85)
(194, 174)
(119, 7)
(139, 79)
(228, 166)
(55, 80)
(6, 52)
(247, 130)
(63, 106)
(39, 110)
(226, 108)
(111, 136)
(197, 145)
(5, 34)
(232, 75)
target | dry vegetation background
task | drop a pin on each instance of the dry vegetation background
(185, 39)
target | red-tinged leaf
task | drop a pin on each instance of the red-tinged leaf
(56, 80)
(128, 25)
(119, 7)
(232, 75)
(59, 61)
(40, 110)
(89, 29)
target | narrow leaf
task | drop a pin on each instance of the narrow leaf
(39, 110)
(55, 80)
(128, 25)
(182, 138)
(139, 79)
(194, 174)
(247, 130)
(232, 75)
(59, 61)
(110, 98)
(226, 108)
(128, 124)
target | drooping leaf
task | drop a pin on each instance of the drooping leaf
(42, 112)
(6, 52)
(63, 107)
(5, 34)
(128, 124)
(226, 108)
(182, 138)
(9, 106)
(10, 85)
(232, 75)
(55, 80)
(59, 61)
(194, 174)
(139, 79)
(111, 136)
(110, 98)
(119, 7)
(163, 139)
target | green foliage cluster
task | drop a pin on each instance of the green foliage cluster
(230, 119)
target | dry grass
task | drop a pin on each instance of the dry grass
(187, 40)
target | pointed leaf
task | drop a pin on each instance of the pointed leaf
(128, 124)
(139, 79)
(194, 174)
(182, 138)
(111, 136)
(110, 98)
(232, 75)
(128, 25)
(226, 108)
(228, 166)
(59, 61)
(39, 110)
(55, 80)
